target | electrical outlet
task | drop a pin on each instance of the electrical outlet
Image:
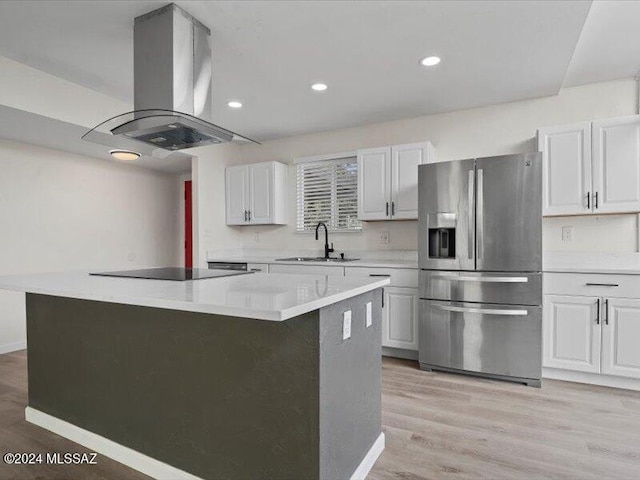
(384, 238)
(368, 320)
(346, 325)
(567, 234)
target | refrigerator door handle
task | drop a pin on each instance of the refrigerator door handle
(482, 311)
(471, 227)
(462, 278)
(480, 213)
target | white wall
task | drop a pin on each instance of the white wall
(493, 130)
(60, 211)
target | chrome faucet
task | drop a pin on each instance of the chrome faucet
(327, 249)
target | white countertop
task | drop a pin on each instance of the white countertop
(264, 296)
(381, 263)
(591, 262)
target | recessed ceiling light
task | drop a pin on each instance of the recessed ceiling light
(319, 87)
(234, 104)
(126, 155)
(430, 61)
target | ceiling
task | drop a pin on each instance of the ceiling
(27, 127)
(609, 46)
(267, 53)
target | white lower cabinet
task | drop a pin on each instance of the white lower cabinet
(306, 269)
(258, 267)
(400, 318)
(621, 337)
(571, 333)
(400, 310)
(590, 326)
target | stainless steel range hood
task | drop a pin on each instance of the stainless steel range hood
(172, 89)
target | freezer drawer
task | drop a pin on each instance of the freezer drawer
(490, 339)
(488, 287)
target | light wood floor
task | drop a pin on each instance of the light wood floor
(438, 426)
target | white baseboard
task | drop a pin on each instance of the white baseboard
(591, 378)
(131, 458)
(12, 347)
(369, 459)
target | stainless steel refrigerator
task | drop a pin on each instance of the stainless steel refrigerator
(480, 256)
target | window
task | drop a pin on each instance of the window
(328, 192)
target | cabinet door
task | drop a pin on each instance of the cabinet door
(374, 185)
(616, 165)
(261, 196)
(621, 338)
(566, 169)
(404, 178)
(571, 333)
(237, 194)
(400, 318)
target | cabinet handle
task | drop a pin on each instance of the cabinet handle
(249, 215)
(393, 208)
(595, 200)
(602, 285)
(383, 298)
(598, 311)
(387, 209)
(246, 219)
(606, 312)
(588, 200)
(378, 275)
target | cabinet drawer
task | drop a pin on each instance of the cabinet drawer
(306, 269)
(399, 277)
(592, 284)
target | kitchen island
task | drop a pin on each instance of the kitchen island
(238, 377)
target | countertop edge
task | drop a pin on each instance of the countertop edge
(269, 315)
(400, 264)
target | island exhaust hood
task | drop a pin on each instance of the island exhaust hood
(172, 89)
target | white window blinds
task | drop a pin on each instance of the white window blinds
(328, 192)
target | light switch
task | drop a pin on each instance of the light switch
(346, 325)
(369, 320)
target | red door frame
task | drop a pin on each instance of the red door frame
(188, 225)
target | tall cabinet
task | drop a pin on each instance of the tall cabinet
(591, 167)
(255, 194)
(388, 180)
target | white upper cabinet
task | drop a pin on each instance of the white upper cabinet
(592, 167)
(616, 165)
(374, 183)
(566, 159)
(256, 194)
(237, 195)
(388, 181)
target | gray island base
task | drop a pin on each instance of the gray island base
(179, 394)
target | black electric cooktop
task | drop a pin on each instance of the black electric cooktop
(172, 273)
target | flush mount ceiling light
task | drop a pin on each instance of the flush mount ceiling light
(430, 61)
(234, 104)
(126, 155)
(319, 87)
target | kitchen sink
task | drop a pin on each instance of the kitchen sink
(315, 259)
